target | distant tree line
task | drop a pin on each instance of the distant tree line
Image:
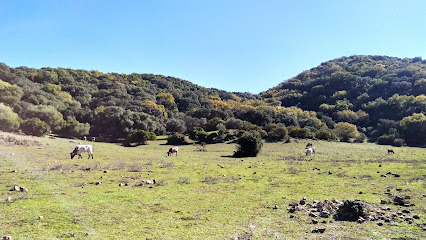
(349, 99)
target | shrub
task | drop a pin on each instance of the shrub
(35, 127)
(385, 139)
(249, 144)
(351, 211)
(140, 137)
(297, 132)
(278, 133)
(361, 138)
(198, 134)
(176, 139)
(325, 134)
(398, 142)
(9, 120)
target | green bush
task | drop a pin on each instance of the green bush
(398, 142)
(198, 134)
(325, 134)
(140, 137)
(35, 127)
(385, 139)
(9, 120)
(297, 132)
(176, 139)
(249, 144)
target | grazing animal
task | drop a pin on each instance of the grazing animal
(309, 151)
(313, 150)
(309, 145)
(173, 150)
(390, 150)
(80, 149)
(93, 139)
(84, 138)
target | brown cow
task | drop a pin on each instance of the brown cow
(173, 150)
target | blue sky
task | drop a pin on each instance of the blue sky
(234, 45)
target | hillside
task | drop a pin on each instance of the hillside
(373, 92)
(382, 96)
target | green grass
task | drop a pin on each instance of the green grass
(201, 195)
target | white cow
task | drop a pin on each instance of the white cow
(173, 150)
(309, 151)
(80, 149)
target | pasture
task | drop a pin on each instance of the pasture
(203, 194)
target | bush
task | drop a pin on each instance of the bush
(278, 133)
(9, 120)
(398, 142)
(361, 138)
(297, 132)
(325, 134)
(140, 137)
(351, 211)
(249, 144)
(35, 127)
(176, 139)
(385, 139)
(198, 134)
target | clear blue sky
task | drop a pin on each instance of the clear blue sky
(234, 45)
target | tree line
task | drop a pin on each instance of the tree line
(351, 99)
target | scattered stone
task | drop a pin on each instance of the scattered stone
(379, 224)
(396, 175)
(398, 189)
(121, 184)
(383, 175)
(329, 173)
(105, 171)
(291, 216)
(40, 217)
(360, 192)
(15, 188)
(324, 214)
(318, 230)
(275, 206)
(7, 238)
(314, 221)
(407, 197)
(388, 173)
(416, 217)
(254, 173)
(313, 215)
(383, 202)
(23, 189)
(291, 210)
(406, 211)
(360, 220)
(304, 198)
(98, 183)
(380, 165)
(302, 202)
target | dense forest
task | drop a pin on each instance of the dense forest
(349, 99)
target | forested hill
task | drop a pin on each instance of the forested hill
(374, 96)
(373, 92)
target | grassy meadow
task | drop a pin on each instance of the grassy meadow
(201, 194)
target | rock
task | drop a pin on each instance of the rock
(396, 175)
(7, 238)
(380, 165)
(388, 173)
(329, 173)
(275, 206)
(360, 192)
(291, 216)
(383, 202)
(383, 175)
(98, 183)
(304, 198)
(121, 184)
(318, 230)
(314, 221)
(15, 188)
(379, 224)
(313, 215)
(416, 217)
(40, 217)
(23, 189)
(360, 220)
(324, 214)
(9, 199)
(105, 171)
(398, 189)
(302, 202)
(291, 210)
(407, 197)
(406, 211)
